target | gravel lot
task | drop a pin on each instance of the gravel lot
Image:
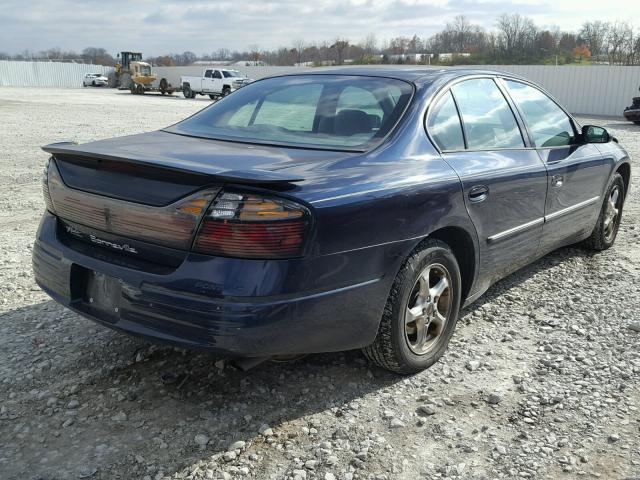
(542, 379)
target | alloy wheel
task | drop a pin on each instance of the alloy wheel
(612, 213)
(428, 309)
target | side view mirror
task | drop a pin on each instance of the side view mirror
(594, 134)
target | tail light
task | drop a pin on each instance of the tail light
(45, 188)
(248, 225)
(171, 225)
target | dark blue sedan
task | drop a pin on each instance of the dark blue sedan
(325, 211)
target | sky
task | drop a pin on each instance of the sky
(159, 27)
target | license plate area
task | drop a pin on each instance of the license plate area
(96, 293)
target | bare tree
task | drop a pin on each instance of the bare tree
(222, 54)
(619, 40)
(399, 45)
(461, 31)
(298, 47)
(517, 36)
(370, 44)
(98, 56)
(594, 35)
(340, 47)
(254, 53)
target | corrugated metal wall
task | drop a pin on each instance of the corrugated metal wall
(597, 90)
(46, 74)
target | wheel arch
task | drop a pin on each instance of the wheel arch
(624, 169)
(463, 247)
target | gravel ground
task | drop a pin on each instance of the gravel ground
(542, 378)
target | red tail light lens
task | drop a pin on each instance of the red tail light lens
(45, 188)
(253, 226)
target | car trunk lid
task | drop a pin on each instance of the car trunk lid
(152, 190)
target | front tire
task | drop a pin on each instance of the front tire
(186, 91)
(421, 311)
(606, 229)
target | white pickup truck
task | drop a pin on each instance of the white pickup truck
(215, 82)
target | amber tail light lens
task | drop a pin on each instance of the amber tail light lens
(253, 226)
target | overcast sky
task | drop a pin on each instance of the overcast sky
(155, 27)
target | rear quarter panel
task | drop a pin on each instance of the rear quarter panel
(614, 156)
(373, 209)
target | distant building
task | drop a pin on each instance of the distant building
(410, 57)
(249, 63)
(212, 63)
(447, 57)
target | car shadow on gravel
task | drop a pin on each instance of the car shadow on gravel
(152, 401)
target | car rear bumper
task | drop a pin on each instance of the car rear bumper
(232, 307)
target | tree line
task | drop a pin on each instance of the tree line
(516, 39)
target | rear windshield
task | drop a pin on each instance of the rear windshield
(230, 73)
(321, 111)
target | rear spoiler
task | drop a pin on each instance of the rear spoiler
(253, 176)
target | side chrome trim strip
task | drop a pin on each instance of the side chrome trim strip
(514, 230)
(538, 221)
(570, 209)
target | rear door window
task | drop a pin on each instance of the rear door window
(547, 122)
(488, 120)
(444, 124)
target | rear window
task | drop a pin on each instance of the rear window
(321, 111)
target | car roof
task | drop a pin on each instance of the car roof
(411, 73)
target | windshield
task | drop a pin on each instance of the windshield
(230, 73)
(324, 111)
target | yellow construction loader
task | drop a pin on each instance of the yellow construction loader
(135, 75)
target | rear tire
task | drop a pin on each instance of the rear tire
(637, 122)
(421, 311)
(606, 229)
(140, 89)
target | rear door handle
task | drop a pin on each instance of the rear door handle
(557, 180)
(478, 193)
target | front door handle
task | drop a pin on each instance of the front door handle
(557, 180)
(478, 193)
